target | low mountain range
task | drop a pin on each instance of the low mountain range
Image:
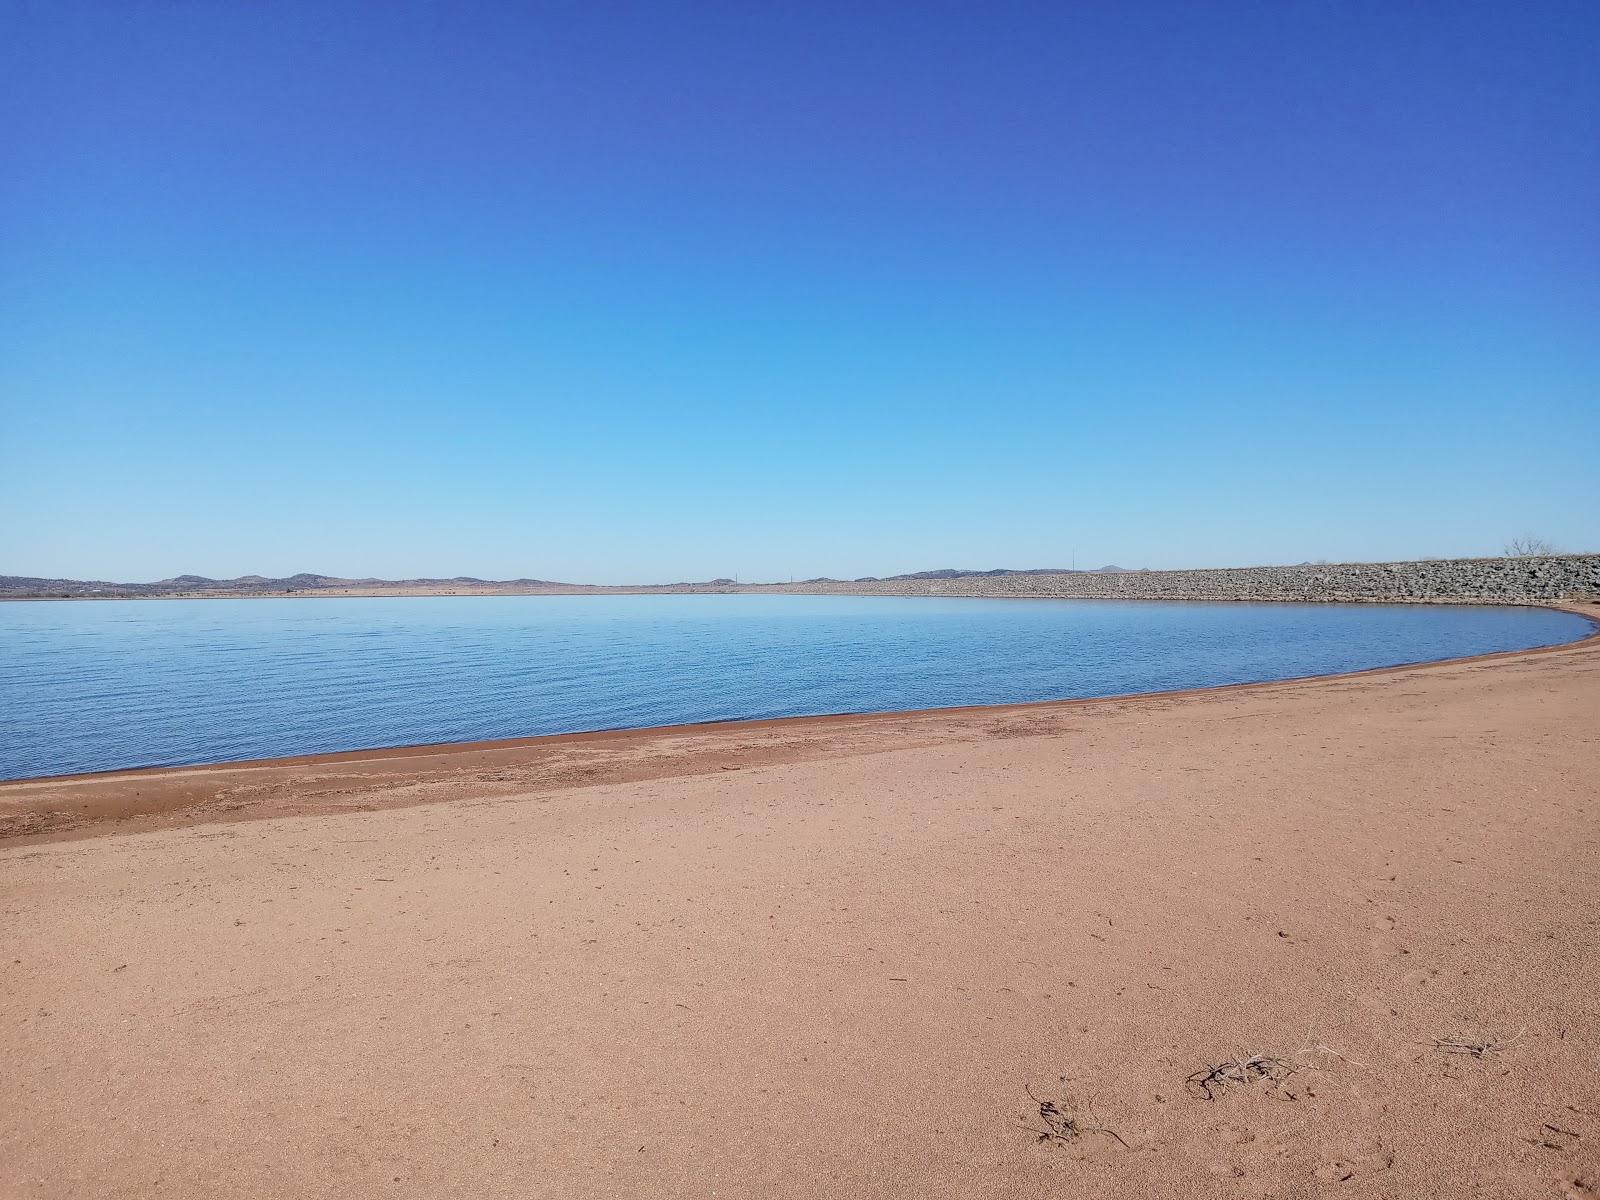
(21, 587)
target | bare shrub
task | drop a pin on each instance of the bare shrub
(1528, 546)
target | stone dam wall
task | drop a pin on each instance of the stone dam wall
(1459, 580)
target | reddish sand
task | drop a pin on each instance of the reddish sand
(836, 957)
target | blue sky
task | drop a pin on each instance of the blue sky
(671, 291)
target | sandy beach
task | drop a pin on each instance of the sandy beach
(1330, 937)
(1035, 568)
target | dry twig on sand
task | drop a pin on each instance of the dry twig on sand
(1208, 1082)
(1473, 1046)
(1554, 1137)
(1063, 1127)
(1319, 1048)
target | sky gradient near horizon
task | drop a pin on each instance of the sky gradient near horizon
(618, 293)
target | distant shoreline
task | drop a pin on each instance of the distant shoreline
(1533, 579)
(375, 593)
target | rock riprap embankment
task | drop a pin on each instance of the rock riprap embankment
(1481, 580)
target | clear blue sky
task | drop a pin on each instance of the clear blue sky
(663, 291)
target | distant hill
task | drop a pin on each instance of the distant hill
(196, 585)
(36, 587)
(953, 573)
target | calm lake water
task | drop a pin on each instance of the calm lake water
(106, 684)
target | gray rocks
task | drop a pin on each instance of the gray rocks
(1480, 580)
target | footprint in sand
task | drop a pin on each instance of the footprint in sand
(1385, 948)
(1336, 1171)
(1371, 1156)
(1234, 1135)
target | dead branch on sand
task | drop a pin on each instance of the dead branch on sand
(1062, 1127)
(1554, 1137)
(1474, 1046)
(1208, 1082)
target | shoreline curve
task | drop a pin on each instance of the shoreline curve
(69, 806)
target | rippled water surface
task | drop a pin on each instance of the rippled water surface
(92, 686)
